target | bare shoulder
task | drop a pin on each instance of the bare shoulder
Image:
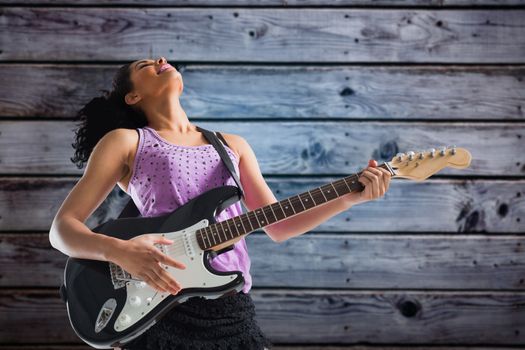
(236, 142)
(127, 139)
(123, 144)
(122, 134)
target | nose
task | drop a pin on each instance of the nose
(161, 60)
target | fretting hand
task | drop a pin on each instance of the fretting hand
(376, 181)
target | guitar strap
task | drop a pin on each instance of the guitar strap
(131, 210)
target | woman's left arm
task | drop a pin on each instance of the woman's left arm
(257, 194)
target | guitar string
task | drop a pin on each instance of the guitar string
(267, 210)
(178, 249)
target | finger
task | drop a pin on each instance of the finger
(151, 280)
(377, 171)
(386, 178)
(383, 189)
(166, 276)
(375, 184)
(168, 260)
(164, 281)
(381, 180)
(363, 179)
(162, 240)
(388, 173)
(367, 183)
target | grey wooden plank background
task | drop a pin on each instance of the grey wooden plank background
(435, 205)
(327, 260)
(273, 3)
(432, 263)
(264, 35)
(337, 316)
(358, 92)
(304, 148)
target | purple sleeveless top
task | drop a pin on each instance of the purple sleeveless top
(166, 176)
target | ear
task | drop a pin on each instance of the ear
(131, 98)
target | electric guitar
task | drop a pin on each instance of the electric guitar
(107, 307)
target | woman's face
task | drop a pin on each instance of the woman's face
(149, 85)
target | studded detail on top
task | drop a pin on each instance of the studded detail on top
(166, 176)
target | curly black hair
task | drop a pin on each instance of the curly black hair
(105, 113)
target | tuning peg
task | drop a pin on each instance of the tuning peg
(400, 156)
(432, 152)
(421, 156)
(453, 149)
(410, 155)
(443, 151)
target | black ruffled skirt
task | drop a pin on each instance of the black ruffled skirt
(198, 323)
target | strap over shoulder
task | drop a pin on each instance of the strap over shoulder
(217, 144)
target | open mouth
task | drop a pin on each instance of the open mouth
(164, 67)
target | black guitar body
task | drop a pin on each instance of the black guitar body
(106, 311)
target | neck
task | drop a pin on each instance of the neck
(168, 115)
(229, 231)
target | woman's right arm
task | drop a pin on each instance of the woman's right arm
(107, 164)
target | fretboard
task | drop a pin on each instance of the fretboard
(229, 229)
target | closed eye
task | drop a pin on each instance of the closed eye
(144, 65)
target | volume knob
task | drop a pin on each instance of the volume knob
(124, 319)
(135, 300)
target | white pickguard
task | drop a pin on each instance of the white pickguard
(142, 298)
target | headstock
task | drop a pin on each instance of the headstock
(422, 164)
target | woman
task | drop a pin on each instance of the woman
(138, 131)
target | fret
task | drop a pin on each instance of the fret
(226, 238)
(282, 210)
(300, 201)
(200, 239)
(269, 216)
(302, 205)
(335, 189)
(313, 200)
(331, 194)
(212, 233)
(237, 228)
(236, 232)
(322, 192)
(265, 218)
(319, 195)
(228, 222)
(257, 217)
(291, 206)
(240, 226)
(309, 204)
(208, 237)
(221, 227)
(247, 218)
(345, 188)
(206, 229)
(257, 221)
(344, 178)
(275, 216)
(242, 223)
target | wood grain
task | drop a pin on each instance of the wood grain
(359, 92)
(296, 147)
(263, 35)
(321, 317)
(443, 205)
(326, 260)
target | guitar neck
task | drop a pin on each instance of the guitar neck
(219, 233)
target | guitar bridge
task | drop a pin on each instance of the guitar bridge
(119, 276)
